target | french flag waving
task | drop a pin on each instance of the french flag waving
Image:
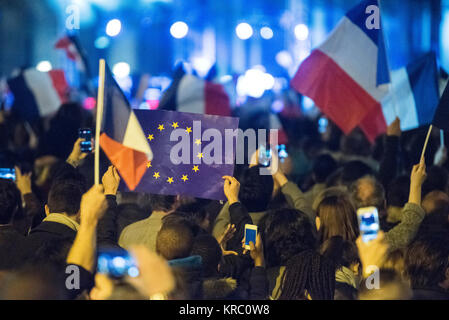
(345, 76)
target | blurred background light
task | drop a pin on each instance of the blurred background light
(121, 69)
(244, 31)
(266, 33)
(44, 66)
(179, 29)
(301, 32)
(284, 59)
(201, 65)
(101, 42)
(254, 82)
(113, 27)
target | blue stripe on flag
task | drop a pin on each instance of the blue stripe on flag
(24, 101)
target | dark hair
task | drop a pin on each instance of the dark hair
(285, 233)
(436, 201)
(160, 202)
(437, 178)
(185, 219)
(308, 273)
(323, 167)
(10, 201)
(255, 189)
(375, 197)
(174, 241)
(348, 173)
(337, 218)
(65, 196)
(343, 253)
(427, 259)
(207, 247)
(398, 191)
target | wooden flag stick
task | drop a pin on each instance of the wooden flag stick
(100, 100)
(425, 144)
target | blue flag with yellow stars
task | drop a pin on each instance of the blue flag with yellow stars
(191, 153)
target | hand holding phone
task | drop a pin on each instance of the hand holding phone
(368, 223)
(86, 135)
(250, 235)
(116, 263)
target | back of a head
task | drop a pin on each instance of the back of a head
(391, 287)
(285, 233)
(174, 241)
(398, 191)
(437, 179)
(10, 201)
(355, 143)
(255, 189)
(368, 192)
(65, 196)
(323, 167)
(427, 260)
(337, 218)
(308, 275)
(354, 170)
(435, 201)
(163, 203)
(343, 253)
(207, 247)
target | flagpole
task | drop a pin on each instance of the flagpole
(100, 101)
(425, 143)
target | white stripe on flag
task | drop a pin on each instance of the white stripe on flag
(400, 101)
(356, 54)
(45, 94)
(135, 137)
(190, 95)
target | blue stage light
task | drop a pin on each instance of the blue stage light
(244, 31)
(266, 33)
(113, 27)
(179, 29)
(301, 32)
(102, 42)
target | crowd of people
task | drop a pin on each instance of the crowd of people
(54, 221)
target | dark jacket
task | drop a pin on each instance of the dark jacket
(190, 269)
(430, 294)
(12, 248)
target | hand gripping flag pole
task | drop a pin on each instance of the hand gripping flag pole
(100, 101)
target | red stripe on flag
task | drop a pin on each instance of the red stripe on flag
(59, 83)
(130, 163)
(67, 44)
(333, 90)
(374, 123)
(216, 100)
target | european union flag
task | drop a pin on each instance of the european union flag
(191, 153)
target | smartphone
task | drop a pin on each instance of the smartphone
(368, 223)
(250, 234)
(282, 152)
(264, 156)
(86, 135)
(116, 263)
(8, 173)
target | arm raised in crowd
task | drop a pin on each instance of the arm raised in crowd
(76, 156)
(412, 214)
(388, 167)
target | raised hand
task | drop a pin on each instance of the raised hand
(110, 181)
(231, 189)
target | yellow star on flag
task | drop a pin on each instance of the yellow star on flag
(200, 155)
(161, 127)
(189, 129)
(150, 137)
(149, 164)
(175, 125)
(197, 141)
(184, 177)
(195, 168)
(170, 180)
(156, 175)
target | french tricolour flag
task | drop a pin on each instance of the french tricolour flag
(38, 94)
(74, 51)
(345, 75)
(414, 93)
(122, 138)
(189, 93)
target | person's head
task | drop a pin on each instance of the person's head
(64, 197)
(255, 189)
(348, 174)
(197, 212)
(174, 241)
(437, 179)
(323, 167)
(394, 260)
(308, 275)
(10, 201)
(162, 203)
(398, 191)
(391, 287)
(207, 247)
(427, 261)
(355, 143)
(336, 216)
(177, 217)
(343, 253)
(285, 233)
(368, 192)
(435, 201)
